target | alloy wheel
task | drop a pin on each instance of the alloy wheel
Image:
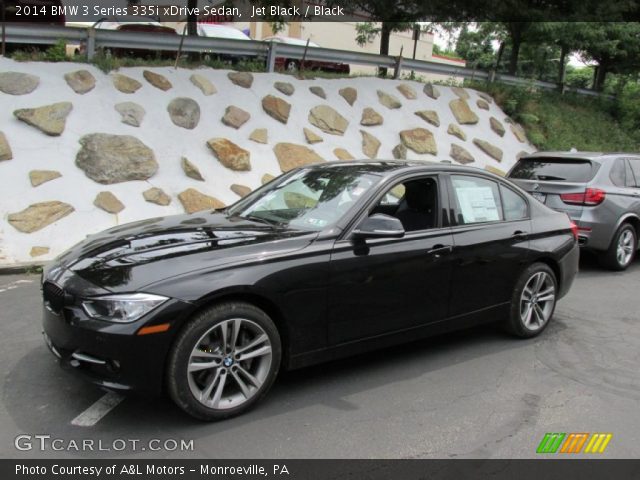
(624, 250)
(229, 364)
(537, 301)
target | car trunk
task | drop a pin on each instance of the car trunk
(546, 178)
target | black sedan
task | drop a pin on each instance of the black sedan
(325, 261)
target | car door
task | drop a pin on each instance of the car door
(490, 242)
(377, 286)
(633, 183)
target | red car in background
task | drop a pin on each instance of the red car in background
(293, 64)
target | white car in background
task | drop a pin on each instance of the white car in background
(293, 65)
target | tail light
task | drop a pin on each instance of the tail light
(590, 197)
(574, 230)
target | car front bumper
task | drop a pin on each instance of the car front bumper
(114, 356)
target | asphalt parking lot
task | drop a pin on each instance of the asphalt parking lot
(474, 394)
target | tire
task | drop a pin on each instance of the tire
(622, 250)
(223, 385)
(291, 66)
(533, 303)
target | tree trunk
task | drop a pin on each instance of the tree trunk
(601, 74)
(564, 51)
(516, 41)
(385, 36)
(499, 56)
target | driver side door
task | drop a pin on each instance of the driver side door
(384, 285)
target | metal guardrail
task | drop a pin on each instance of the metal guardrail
(95, 40)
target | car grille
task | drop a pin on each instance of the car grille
(53, 296)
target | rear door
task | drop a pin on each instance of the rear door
(546, 178)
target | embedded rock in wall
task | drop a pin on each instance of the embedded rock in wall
(125, 84)
(80, 81)
(328, 120)
(291, 156)
(206, 87)
(38, 177)
(157, 80)
(240, 190)
(429, 116)
(276, 108)
(190, 170)
(38, 251)
(16, 83)
(496, 126)
(342, 154)
(456, 131)
(370, 144)
(194, 201)
(311, 136)
(489, 149)
(131, 113)
(266, 178)
(157, 195)
(37, 216)
(350, 94)
(184, 112)
(399, 152)
(431, 91)
(408, 91)
(319, 91)
(50, 119)
(482, 104)
(518, 131)
(388, 100)
(462, 112)
(420, 140)
(230, 155)
(235, 117)
(259, 135)
(108, 202)
(460, 155)
(5, 149)
(460, 92)
(242, 79)
(371, 118)
(284, 87)
(109, 159)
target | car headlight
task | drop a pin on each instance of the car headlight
(124, 308)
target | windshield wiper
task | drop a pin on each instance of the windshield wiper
(267, 221)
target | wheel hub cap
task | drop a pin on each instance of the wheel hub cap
(227, 362)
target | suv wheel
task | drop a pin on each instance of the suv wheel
(533, 301)
(622, 250)
(224, 361)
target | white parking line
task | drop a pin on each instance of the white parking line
(11, 286)
(99, 409)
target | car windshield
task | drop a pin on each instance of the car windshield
(309, 199)
(553, 169)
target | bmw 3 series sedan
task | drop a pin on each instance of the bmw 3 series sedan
(323, 262)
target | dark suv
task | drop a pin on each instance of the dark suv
(599, 191)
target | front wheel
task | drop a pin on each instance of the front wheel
(622, 249)
(224, 361)
(533, 301)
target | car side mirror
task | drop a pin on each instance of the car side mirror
(380, 225)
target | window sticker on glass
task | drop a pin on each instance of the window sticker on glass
(477, 204)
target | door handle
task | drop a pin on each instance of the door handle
(520, 235)
(440, 249)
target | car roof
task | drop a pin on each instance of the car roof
(581, 155)
(392, 166)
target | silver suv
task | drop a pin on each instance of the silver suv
(599, 191)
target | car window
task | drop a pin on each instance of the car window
(634, 163)
(477, 200)
(553, 169)
(618, 173)
(413, 202)
(515, 207)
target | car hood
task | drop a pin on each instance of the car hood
(131, 256)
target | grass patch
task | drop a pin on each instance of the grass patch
(561, 122)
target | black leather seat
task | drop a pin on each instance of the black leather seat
(417, 209)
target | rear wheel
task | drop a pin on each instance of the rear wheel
(622, 250)
(224, 361)
(533, 301)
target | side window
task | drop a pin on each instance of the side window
(618, 173)
(477, 200)
(515, 207)
(635, 168)
(413, 202)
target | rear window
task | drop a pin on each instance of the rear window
(553, 170)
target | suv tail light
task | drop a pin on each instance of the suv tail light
(574, 230)
(590, 197)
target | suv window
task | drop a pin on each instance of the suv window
(515, 207)
(635, 168)
(554, 169)
(618, 173)
(477, 200)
